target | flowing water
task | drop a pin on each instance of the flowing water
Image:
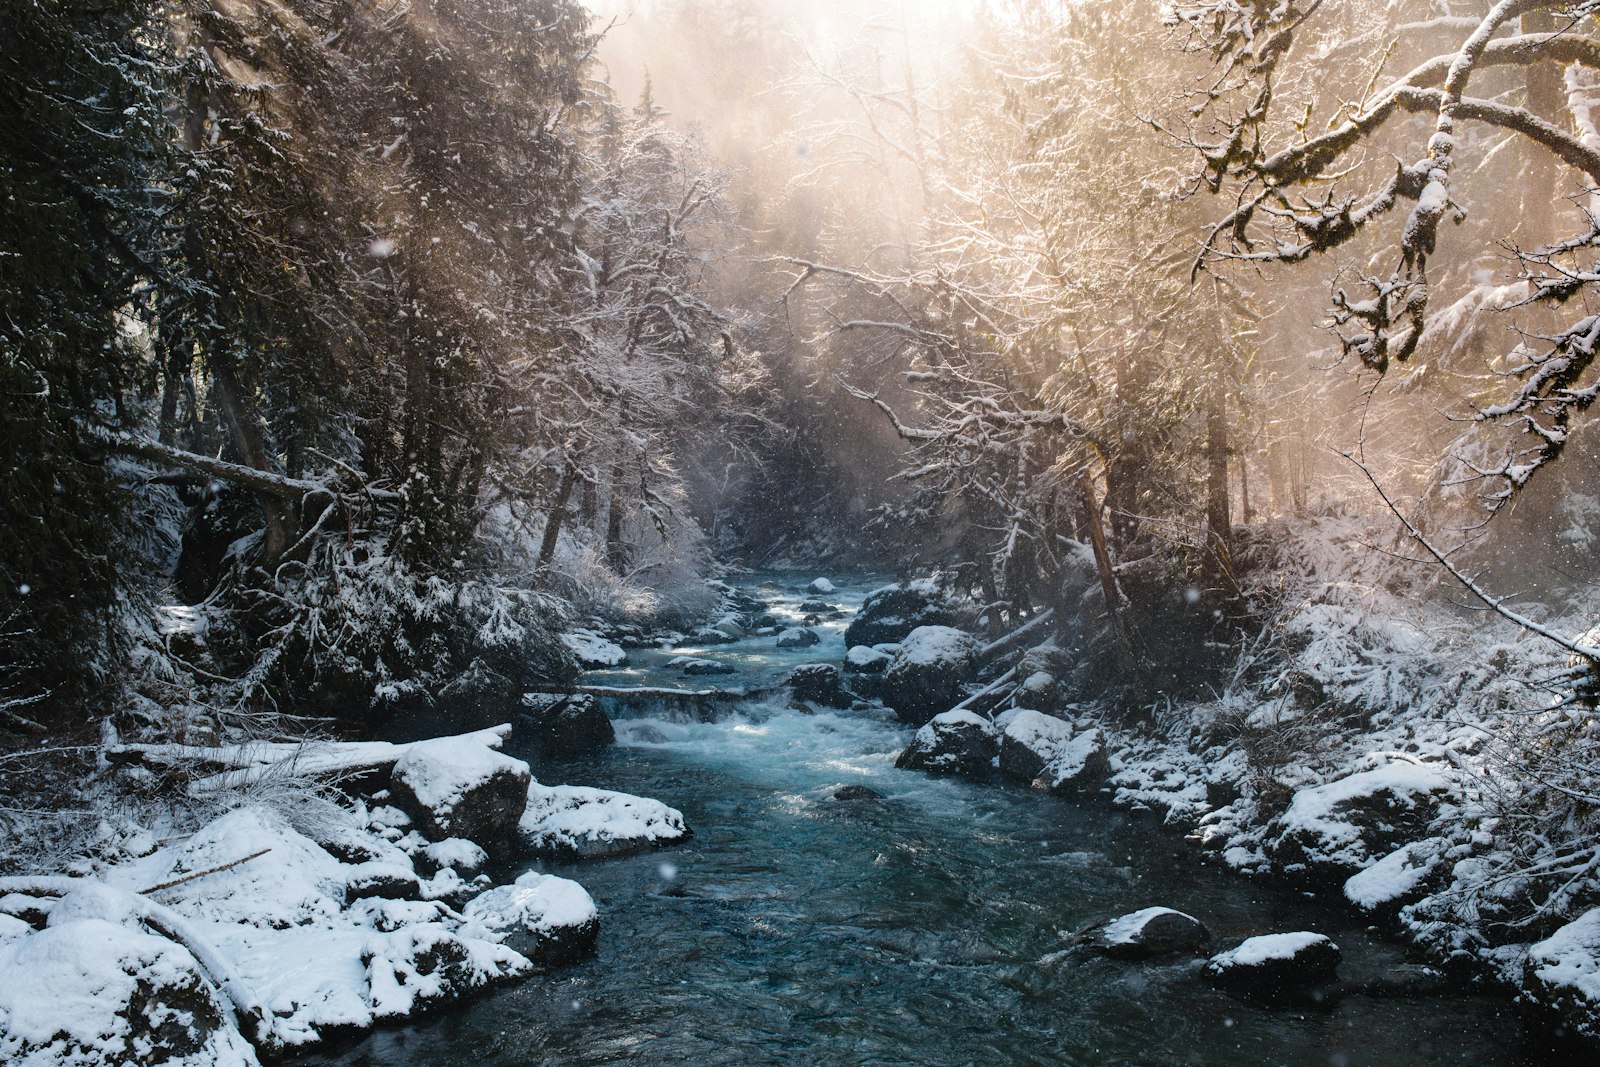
(929, 927)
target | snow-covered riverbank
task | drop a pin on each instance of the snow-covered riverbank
(276, 927)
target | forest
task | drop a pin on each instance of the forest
(1164, 425)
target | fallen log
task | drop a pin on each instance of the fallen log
(232, 766)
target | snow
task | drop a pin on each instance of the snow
(593, 651)
(1255, 951)
(948, 719)
(409, 967)
(441, 772)
(66, 991)
(588, 821)
(1125, 930)
(798, 637)
(823, 586)
(1392, 877)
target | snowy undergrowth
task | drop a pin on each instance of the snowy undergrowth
(1381, 740)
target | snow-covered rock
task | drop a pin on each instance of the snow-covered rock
(955, 742)
(798, 637)
(1274, 965)
(548, 919)
(1562, 973)
(1333, 830)
(292, 881)
(864, 659)
(566, 725)
(925, 676)
(822, 586)
(890, 613)
(88, 992)
(1397, 879)
(1150, 932)
(417, 967)
(594, 652)
(1049, 752)
(573, 821)
(456, 853)
(695, 667)
(457, 787)
(820, 683)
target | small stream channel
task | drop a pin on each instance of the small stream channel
(925, 928)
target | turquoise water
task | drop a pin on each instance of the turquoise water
(925, 928)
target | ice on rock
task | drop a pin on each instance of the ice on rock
(577, 821)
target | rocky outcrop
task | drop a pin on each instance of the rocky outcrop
(1276, 966)
(695, 667)
(457, 787)
(956, 742)
(925, 676)
(564, 726)
(1149, 932)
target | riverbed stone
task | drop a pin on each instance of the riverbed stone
(695, 667)
(864, 659)
(1150, 932)
(856, 792)
(798, 637)
(1273, 966)
(567, 725)
(925, 676)
(459, 787)
(955, 742)
(820, 683)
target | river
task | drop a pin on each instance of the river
(929, 927)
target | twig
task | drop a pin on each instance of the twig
(202, 874)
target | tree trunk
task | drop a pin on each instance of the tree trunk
(238, 414)
(558, 513)
(1102, 566)
(616, 551)
(1219, 517)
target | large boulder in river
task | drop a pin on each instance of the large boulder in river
(890, 613)
(460, 787)
(956, 742)
(925, 676)
(1333, 830)
(864, 659)
(1050, 753)
(566, 725)
(1275, 965)
(820, 683)
(1150, 932)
